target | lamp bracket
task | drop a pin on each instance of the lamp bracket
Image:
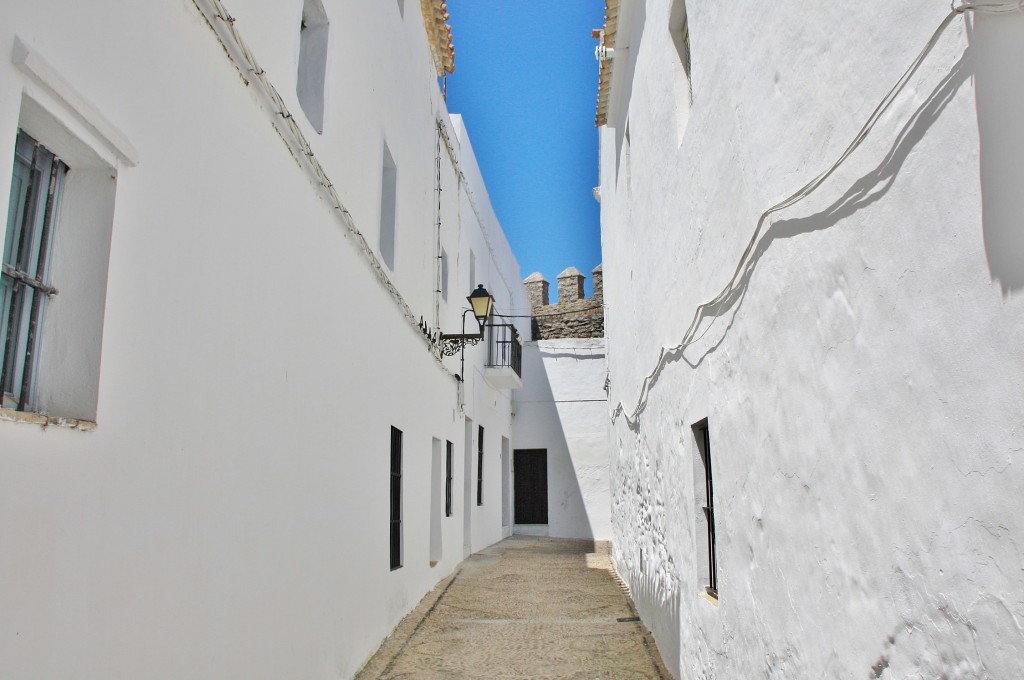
(453, 344)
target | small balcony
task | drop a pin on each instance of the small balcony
(504, 367)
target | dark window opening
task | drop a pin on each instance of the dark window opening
(448, 465)
(396, 498)
(480, 466)
(706, 500)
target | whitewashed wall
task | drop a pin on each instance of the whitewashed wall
(496, 268)
(864, 384)
(228, 515)
(562, 407)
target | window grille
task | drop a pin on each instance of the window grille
(35, 196)
(480, 466)
(448, 465)
(396, 498)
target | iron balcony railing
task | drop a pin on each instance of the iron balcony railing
(504, 348)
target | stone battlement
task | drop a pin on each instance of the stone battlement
(574, 316)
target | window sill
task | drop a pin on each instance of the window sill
(44, 421)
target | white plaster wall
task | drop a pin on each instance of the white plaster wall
(479, 231)
(228, 517)
(865, 384)
(562, 407)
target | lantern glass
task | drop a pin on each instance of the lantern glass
(482, 303)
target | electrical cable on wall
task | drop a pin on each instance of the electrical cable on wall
(745, 263)
(222, 24)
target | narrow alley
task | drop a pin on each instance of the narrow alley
(524, 608)
(659, 339)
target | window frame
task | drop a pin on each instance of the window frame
(24, 271)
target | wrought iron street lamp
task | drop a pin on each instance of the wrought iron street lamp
(481, 304)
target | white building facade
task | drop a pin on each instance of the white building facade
(561, 414)
(235, 234)
(561, 430)
(815, 328)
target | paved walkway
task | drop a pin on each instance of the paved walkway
(523, 608)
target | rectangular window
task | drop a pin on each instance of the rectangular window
(480, 466)
(396, 498)
(388, 208)
(24, 280)
(705, 497)
(448, 465)
(679, 28)
(312, 74)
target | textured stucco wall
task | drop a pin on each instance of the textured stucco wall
(562, 407)
(228, 517)
(864, 382)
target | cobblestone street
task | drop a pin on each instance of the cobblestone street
(524, 608)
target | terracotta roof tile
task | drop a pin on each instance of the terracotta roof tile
(439, 34)
(607, 35)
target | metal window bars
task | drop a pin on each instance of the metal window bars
(709, 510)
(35, 188)
(480, 465)
(396, 498)
(449, 465)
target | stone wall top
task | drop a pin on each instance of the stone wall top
(574, 316)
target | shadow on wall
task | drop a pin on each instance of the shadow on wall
(659, 605)
(699, 338)
(997, 43)
(865, 191)
(564, 492)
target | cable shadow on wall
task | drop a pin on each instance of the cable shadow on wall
(862, 193)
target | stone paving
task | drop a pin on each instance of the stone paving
(526, 607)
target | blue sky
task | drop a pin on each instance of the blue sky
(525, 82)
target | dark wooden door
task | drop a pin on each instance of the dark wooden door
(530, 467)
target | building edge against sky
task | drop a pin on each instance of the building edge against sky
(821, 478)
(216, 497)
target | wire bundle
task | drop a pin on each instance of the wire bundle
(732, 288)
(223, 25)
